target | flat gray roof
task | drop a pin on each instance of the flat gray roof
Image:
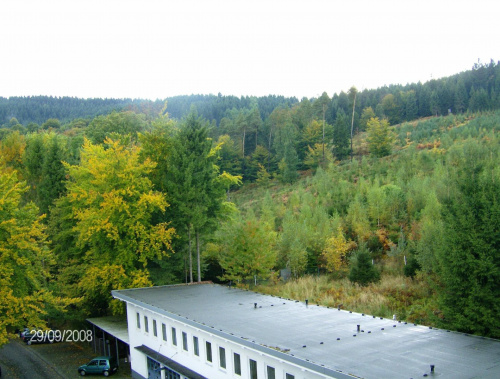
(320, 338)
(116, 326)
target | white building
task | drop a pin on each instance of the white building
(212, 331)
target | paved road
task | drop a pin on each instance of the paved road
(18, 361)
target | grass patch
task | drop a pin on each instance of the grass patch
(410, 299)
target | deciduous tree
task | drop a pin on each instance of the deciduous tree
(380, 137)
(25, 260)
(112, 202)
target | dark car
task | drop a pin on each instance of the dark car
(30, 338)
(23, 332)
(99, 365)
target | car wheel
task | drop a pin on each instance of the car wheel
(106, 373)
(29, 342)
(82, 373)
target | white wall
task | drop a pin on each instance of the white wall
(199, 363)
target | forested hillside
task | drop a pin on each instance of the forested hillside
(395, 185)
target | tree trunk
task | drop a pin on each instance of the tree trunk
(352, 121)
(198, 254)
(243, 142)
(323, 133)
(269, 147)
(190, 257)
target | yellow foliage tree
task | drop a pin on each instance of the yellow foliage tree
(335, 251)
(24, 260)
(112, 203)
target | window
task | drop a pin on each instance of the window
(271, 374)
(185, 341)
(290, 376)
(138, 320)
(222, 357)
(208, 346)
(253, 369)
(155, 331)
(164, 331)
(174, 337)
(237, 364)
(195, 346)
(146, 326)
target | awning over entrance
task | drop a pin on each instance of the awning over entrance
(169, 363)
(115, 326)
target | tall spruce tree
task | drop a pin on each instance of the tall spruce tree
(341, 136)
(52, 184)
(194, 193)
(470, 266)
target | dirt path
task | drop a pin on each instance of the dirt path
(18, 362)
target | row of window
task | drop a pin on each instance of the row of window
(271, 372)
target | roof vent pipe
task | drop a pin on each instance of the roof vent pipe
(359, 327)
(307, 302)
(432, 368)
(255, 305)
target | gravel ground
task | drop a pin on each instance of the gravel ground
(58, 360)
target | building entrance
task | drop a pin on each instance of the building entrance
(154, 371)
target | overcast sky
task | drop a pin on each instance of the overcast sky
(160, 48)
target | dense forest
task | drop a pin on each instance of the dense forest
(398, 182)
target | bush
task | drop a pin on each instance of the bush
(411, 268)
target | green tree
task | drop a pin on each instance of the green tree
(461, 99)
(51, 123)
(341, 136)
(391, 109)
(33, 162)
(411, 107)
(380, 137)
(470, 266)
(288, 164)
(114, 124)
(435, 103)
(52, 184)
(247, 249)
(362, 270)
(193, 185)
(432, 233)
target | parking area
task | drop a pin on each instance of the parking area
(19, 360)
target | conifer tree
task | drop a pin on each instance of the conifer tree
(341, 136)
(362, 270)
(52, 184)
(470, 263)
